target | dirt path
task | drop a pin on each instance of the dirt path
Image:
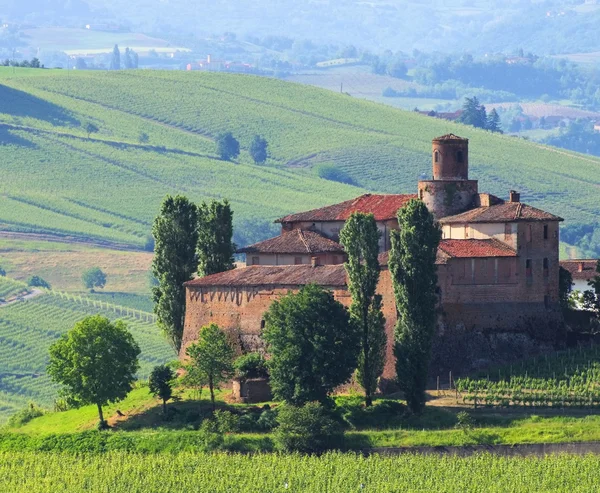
(17, 299)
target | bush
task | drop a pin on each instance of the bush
(226, 421)
(333, 173)
(307, 429)
(37, 282)
(210, 436)
(251, 365)
(25, 415)
(384, 414)
(267, 420)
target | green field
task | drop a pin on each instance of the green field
(28, 328)
(332, 473)
(53, 172)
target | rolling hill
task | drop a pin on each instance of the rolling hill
(156, 136)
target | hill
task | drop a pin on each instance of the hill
(156, 136)
(29, 327)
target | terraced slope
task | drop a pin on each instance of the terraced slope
(156, 131)
(28, 328)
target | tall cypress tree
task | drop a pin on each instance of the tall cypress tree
(215, 231)
(414, 278)
(175, 234)
(360, 239)
(115, 60)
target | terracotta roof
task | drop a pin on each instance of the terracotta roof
(295, 241)
(450, 137)
(501, 213)
(381, 206)
(276, 275)
(476, 248)
(583, 269)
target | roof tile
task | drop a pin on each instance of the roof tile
(295, 241)
(473, 248)
(500, 213)
(583, 269)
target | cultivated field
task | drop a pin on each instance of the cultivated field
(156, 131)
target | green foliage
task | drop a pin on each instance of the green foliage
(464, 421)
(2, 272)
(25, 415)
(228, 147)
(215, 230)
(95, 362)
(94, 278)
(175, 234)
(226, 421)
(333, 173)
(212, 356)
(312, 344)
(414, 278)
(474, 113)
(565, 285)
(360, 239)
(307, 429)
(115, 60)
(37, 282)
(493, 121)
(160, 384)
(91, 128)
(251, 365)
(258, 149)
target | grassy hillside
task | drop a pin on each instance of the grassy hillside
(28, 328)
(156, 131)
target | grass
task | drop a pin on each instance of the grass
(53, 170)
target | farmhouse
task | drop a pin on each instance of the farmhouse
(582, 271)
(497, 267)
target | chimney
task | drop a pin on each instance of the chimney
(314, 261)
(514, 196)
(580, 267)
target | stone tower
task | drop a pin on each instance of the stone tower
(450, 192)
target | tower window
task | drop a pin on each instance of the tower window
(528, 270)
(545, 231)
(546, 267)
(459, 157)
(436, 156)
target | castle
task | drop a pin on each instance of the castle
(497, 267)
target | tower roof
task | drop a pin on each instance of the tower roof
(450, 137)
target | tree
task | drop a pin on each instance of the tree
(565, 285)
(258, 149)
(128, 59)
(96, 362)
(493, 121)
(160, 384)
(360, 239)
(312, 344)
(38, 282)
(91, 128)
(94, 278)
(397, 69)
(213, 357)
(592, 300)
(215, 230)
(80, 64)
(115, 59)
(175, 232)
(414, 279)
(473, 113)
(228, 147)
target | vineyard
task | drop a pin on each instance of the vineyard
(29, 327)
(10, 288)
(566, 379)
(156, 132)
(334, 473)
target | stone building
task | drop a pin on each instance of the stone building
(497, 269)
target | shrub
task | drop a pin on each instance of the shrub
(464, 421)
(227, 422)
(333, 173)
(307, 429)
(25, 415)
(267, 420)
(211, 437)
(251, 365)
(38, 282)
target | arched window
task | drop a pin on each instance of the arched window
(459, 157)
(436, 156)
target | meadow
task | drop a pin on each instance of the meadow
(156, 132)
(334, 472)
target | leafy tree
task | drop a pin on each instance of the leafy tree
(397, 69)
(251, 365)
(565, 285)
(414, 278)
(175, 232)
(160, 384)
(493, 121)
(258, 149)
(312, 344)
(35, 63)
(360, 239)
(215, 230)
(38, 282)
(227, 146)
(213, 357)
(80, 64)
(94, 278)
(128, 59)
(115, 59)
(91, 128)
(96, 362)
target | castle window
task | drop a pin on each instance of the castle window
(436, 156)
(528, 233)
(528, 270)
(459, 157)
(545, 231)
(546, 267)
(255, 260)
